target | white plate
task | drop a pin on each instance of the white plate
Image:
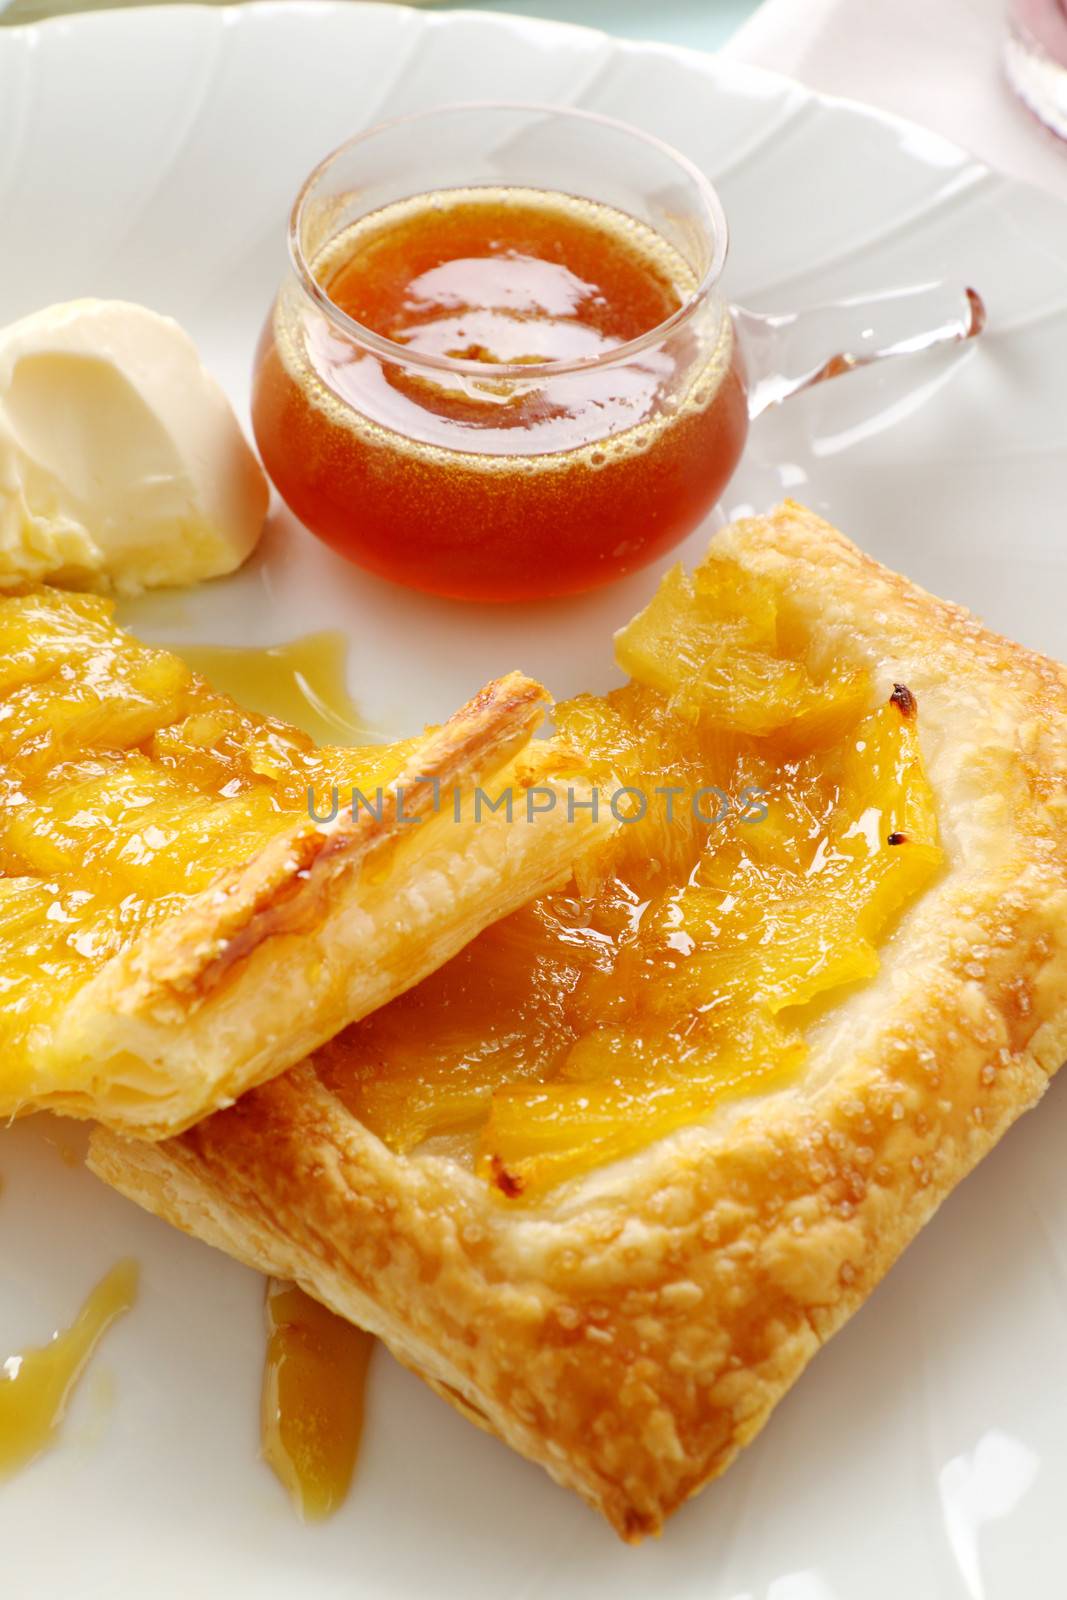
(152, 155)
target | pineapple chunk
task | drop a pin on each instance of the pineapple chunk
(710, 643)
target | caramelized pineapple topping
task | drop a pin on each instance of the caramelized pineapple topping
(126, 785)
(774, 826)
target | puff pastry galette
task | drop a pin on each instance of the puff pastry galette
(174, 924)
(610, 1178)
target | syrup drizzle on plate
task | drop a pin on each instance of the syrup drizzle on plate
(312, 1410)
(36, 1384)
(303, 682)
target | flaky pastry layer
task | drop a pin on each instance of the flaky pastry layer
(634, 1329)
(322, 925)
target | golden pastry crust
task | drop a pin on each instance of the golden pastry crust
(634, 1329)
(322, 925)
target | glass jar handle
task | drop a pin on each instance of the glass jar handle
(793, 351)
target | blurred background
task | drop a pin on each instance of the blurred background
(704, 23)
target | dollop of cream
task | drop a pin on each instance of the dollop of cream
(122, 465)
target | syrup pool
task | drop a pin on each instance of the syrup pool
(303, 682)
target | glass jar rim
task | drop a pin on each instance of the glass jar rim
(391, 350)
